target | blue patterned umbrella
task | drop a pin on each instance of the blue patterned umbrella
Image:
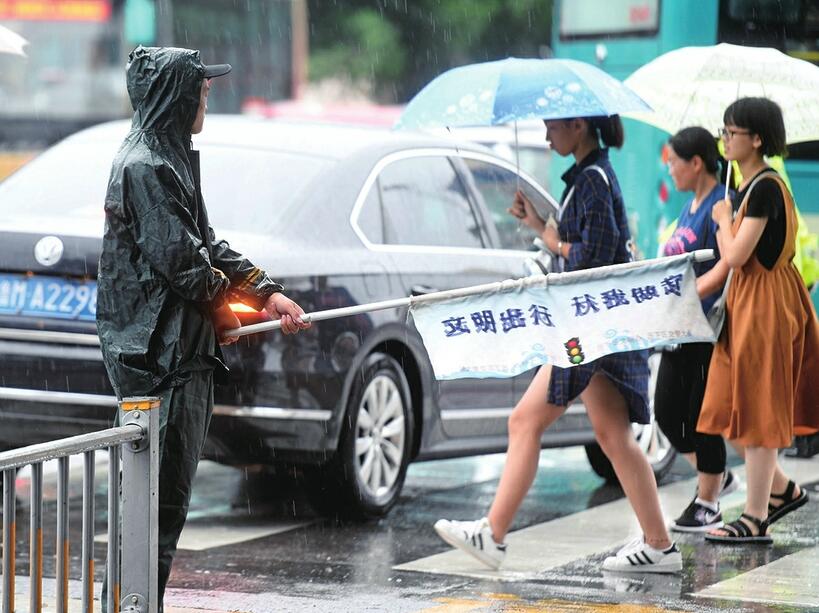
(514, 89)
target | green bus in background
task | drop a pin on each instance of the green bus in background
(619, 36)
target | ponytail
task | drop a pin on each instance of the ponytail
(608, 129)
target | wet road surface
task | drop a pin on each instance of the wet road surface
(253, 544)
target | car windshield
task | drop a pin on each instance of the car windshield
(244, 188)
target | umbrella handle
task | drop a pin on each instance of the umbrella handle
(517, 157)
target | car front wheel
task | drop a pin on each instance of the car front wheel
(365, 478)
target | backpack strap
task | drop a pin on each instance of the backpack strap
(570, 194)
(601, 172)
(770, 172)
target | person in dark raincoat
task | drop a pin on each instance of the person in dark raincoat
(164, 280)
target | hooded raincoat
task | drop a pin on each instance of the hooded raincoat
(161, 275)
(162, 271)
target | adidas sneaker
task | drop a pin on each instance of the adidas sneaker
(640, 557)
(474, 538)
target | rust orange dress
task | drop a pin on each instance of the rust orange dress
(763, 381)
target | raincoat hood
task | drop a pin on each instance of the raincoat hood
(164, 84)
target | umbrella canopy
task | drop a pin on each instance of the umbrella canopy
(514, 89)
(692, 86)
(11, 42)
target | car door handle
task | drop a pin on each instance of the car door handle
(421, 290)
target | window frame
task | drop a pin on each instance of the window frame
(493, 249)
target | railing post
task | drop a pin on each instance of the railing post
(88, 532)
(9, 539)
(63, 543)
(113, 563)
(140, 509)
(36, 539)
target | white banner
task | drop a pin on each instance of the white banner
(568, 319)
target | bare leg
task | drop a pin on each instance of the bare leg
(531, 417)
(760, 465)
(708, 486)
(609, 416)
(780, 479)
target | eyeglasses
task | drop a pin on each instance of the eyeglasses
(728, 134)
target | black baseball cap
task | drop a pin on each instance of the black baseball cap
(216, 70)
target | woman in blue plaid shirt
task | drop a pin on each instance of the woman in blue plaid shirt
(592, 231)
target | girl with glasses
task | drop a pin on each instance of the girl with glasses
(762, 383)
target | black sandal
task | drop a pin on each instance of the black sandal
(739, 532)
(789, 502)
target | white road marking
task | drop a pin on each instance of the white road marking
(791, 580)
(542, 547)
(221, 531)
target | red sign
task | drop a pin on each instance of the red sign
(56, 10)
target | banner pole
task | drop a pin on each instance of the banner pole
(700, 255)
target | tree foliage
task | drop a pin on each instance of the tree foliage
(397, 46)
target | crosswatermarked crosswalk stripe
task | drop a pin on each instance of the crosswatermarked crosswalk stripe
(791, 580)
(542, 547)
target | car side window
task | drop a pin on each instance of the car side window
(496, 186)
(422, 202)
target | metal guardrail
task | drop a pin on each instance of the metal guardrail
(134, 498)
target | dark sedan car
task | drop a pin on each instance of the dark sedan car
(342, 216)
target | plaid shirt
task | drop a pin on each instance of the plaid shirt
(594, 220)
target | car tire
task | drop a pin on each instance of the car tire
(365, 478)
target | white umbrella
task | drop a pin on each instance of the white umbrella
(11, 42)
(692, 86)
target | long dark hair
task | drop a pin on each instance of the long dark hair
(689, 142)
(607, 129)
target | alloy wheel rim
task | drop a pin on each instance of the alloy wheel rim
(380, 436)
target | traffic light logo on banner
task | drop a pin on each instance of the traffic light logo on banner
(574, 350)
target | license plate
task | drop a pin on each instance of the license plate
(52, 297)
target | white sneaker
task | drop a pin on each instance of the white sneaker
(639, 557)
(474, 538)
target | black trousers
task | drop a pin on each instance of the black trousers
(677, 402)
(184, 416)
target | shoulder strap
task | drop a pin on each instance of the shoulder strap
(770, 172)
(570, 193)
(601, 172)
(760, 176)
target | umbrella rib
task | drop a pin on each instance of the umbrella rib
(690, 98)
